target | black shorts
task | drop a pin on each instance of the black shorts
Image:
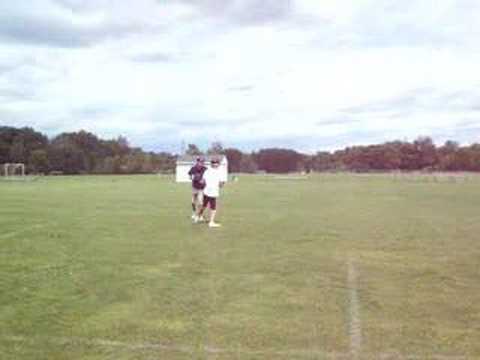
(210, 200)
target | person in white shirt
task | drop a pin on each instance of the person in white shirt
(213, 182)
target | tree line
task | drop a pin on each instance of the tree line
(420, 155)
(78, 153)
(84, 153)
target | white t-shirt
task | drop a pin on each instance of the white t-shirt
(213, 177)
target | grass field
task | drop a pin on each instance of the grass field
(334, 266)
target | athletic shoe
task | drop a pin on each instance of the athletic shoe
(213, 224)
(195, 219)
(194, 216)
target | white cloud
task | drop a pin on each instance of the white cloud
(292, 73)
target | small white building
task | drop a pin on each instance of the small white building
(185, 163)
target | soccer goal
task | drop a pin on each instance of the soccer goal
(13, 170)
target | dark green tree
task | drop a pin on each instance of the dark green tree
(234, 157)
(193, 150)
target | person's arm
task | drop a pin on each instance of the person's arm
(221, 181)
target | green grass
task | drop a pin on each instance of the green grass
(112, 268)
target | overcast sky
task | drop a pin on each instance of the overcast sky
(305, 74)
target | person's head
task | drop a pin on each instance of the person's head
(200, 161)
(215, 163)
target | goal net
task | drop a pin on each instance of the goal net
(13, 169)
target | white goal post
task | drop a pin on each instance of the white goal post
(13, 169)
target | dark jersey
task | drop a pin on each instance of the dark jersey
(196, 173)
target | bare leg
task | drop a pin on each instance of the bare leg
(199, 215)
(212, 216)
(194, 205)
(212, 222)
(194, 202)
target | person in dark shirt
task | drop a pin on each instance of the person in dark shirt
(198, 184)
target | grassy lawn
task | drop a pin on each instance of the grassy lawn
(335, 266)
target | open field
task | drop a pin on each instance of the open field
(329, 267)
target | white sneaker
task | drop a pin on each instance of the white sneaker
(195, 219)
(213, 224)
(201, 219)
(194, 216)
